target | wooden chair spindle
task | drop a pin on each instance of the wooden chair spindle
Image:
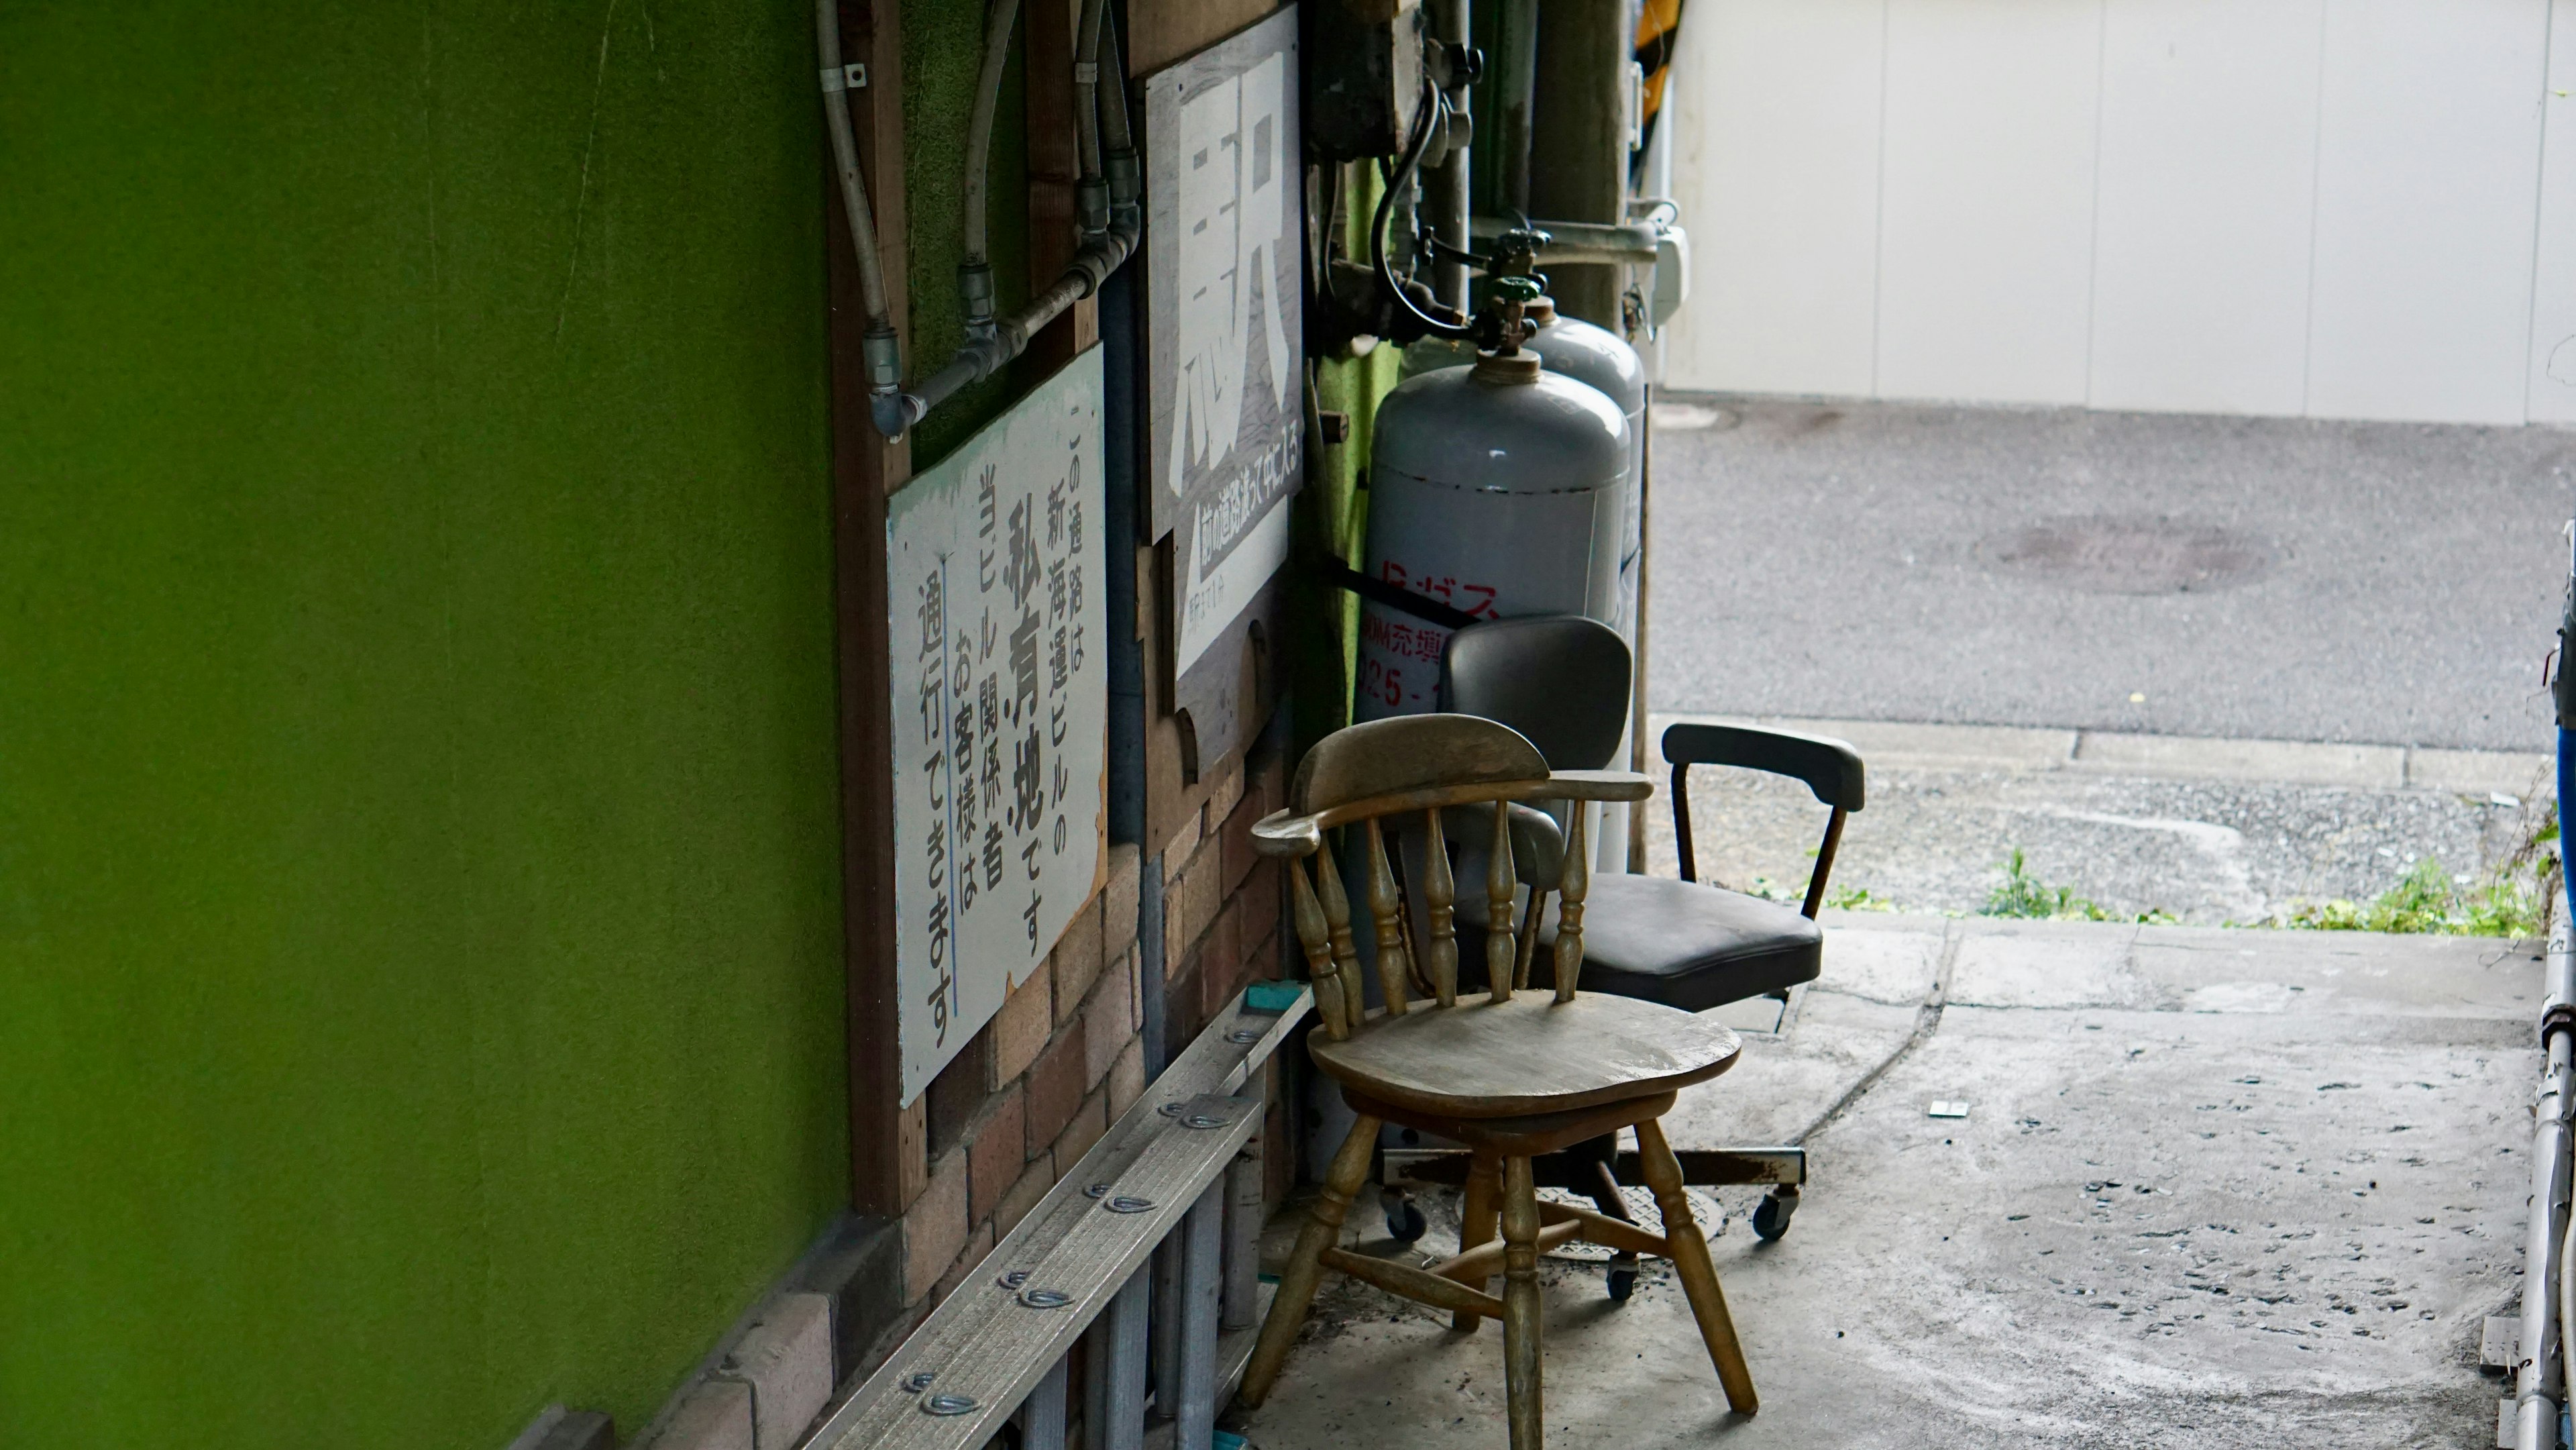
(1315, 937)
(1439, 895)
(1385, 910)
(1570, 891)
(1337, 920)
(1501, 950)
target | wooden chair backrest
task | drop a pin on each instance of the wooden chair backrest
(1432, 765)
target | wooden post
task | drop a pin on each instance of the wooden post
(1523, 1362)
(1054, 167)
(888, 1168)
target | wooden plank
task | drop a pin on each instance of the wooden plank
(1218, 1062)
(992, 1353)
(887, 1166)
(1055, 165)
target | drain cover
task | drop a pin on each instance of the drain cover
(2128, 554)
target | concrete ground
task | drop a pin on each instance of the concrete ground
(2208, 831)
(2215, 1188)
(2274, 578)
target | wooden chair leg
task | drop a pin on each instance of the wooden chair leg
(1521, 1358)
(1690, 1260)
(1322, 1229)
(1478, 1223)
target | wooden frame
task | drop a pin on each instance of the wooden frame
(866, 470)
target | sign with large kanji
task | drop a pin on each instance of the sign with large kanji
(1000, 692)
(1224, 220)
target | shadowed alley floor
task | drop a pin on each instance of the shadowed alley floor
(2215, 1188)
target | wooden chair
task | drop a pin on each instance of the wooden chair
(1513, 1074)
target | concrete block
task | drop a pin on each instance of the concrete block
(1055, 1088)
(1020, 1029)
(912, 1150)
(979, 1245)
(2483, 773)
(715, 1416)
(786, 1358)
(1089, 1122)
(1076, 962)
(996, 1150)
(1225, 791)
(1108, 1021)
(934, 1228)
(1190, 907)
(557, 1428)
(2049, 964)
(1236, 842)
(1127, 1079)
(1260, 892)
(2365, 767)
(1895, 967)
(860, 1268)
(1118, 901)
(1184, 844)
(1024, 1195)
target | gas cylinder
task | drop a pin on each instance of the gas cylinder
(1496, 489)
(1596, 357)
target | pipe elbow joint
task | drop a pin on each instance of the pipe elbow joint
(893, 412)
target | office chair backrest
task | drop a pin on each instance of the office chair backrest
(1561, 680)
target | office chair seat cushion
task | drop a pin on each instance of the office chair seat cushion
(1688, 945)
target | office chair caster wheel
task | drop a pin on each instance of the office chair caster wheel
(1771, 1216)
(1404, 1221)
(1623, 1279)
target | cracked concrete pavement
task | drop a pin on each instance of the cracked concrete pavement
(2215, 1189)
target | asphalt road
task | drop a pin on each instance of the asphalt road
(2265, 578)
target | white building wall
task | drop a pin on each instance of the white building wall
(2342, 208)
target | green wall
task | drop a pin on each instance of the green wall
(419, 943)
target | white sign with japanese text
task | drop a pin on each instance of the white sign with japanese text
(1224, 382)
(1000, 670)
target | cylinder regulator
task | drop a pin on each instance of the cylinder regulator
(1498, 489)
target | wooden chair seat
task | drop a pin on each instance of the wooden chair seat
(1528, 1054)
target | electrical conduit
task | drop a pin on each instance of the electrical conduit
(881, 349)
(1106, 246)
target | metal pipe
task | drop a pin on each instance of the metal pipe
(1574, 243)
(2539, 1381)
(1242, 1242)
(1445, 192)
(1042, 1413)
(1202, 1239)
(974, 269)
(1102, 253)
(1517, 82)
(1113, 1392)
(880, 347)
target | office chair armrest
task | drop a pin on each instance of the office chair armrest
(1831, 768)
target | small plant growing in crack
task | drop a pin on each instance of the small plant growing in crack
(2023, 895)
(2517, 899)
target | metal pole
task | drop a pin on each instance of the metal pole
(1242, 1242)
(1163, 1361)
(1202, 1284)
(1113, 1392)
(1446, 190)
(2539, 1385)
(1042, 1413)
(1516, 71)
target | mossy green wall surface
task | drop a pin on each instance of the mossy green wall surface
(420, 986)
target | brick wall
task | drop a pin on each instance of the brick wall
(1065, 1055)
